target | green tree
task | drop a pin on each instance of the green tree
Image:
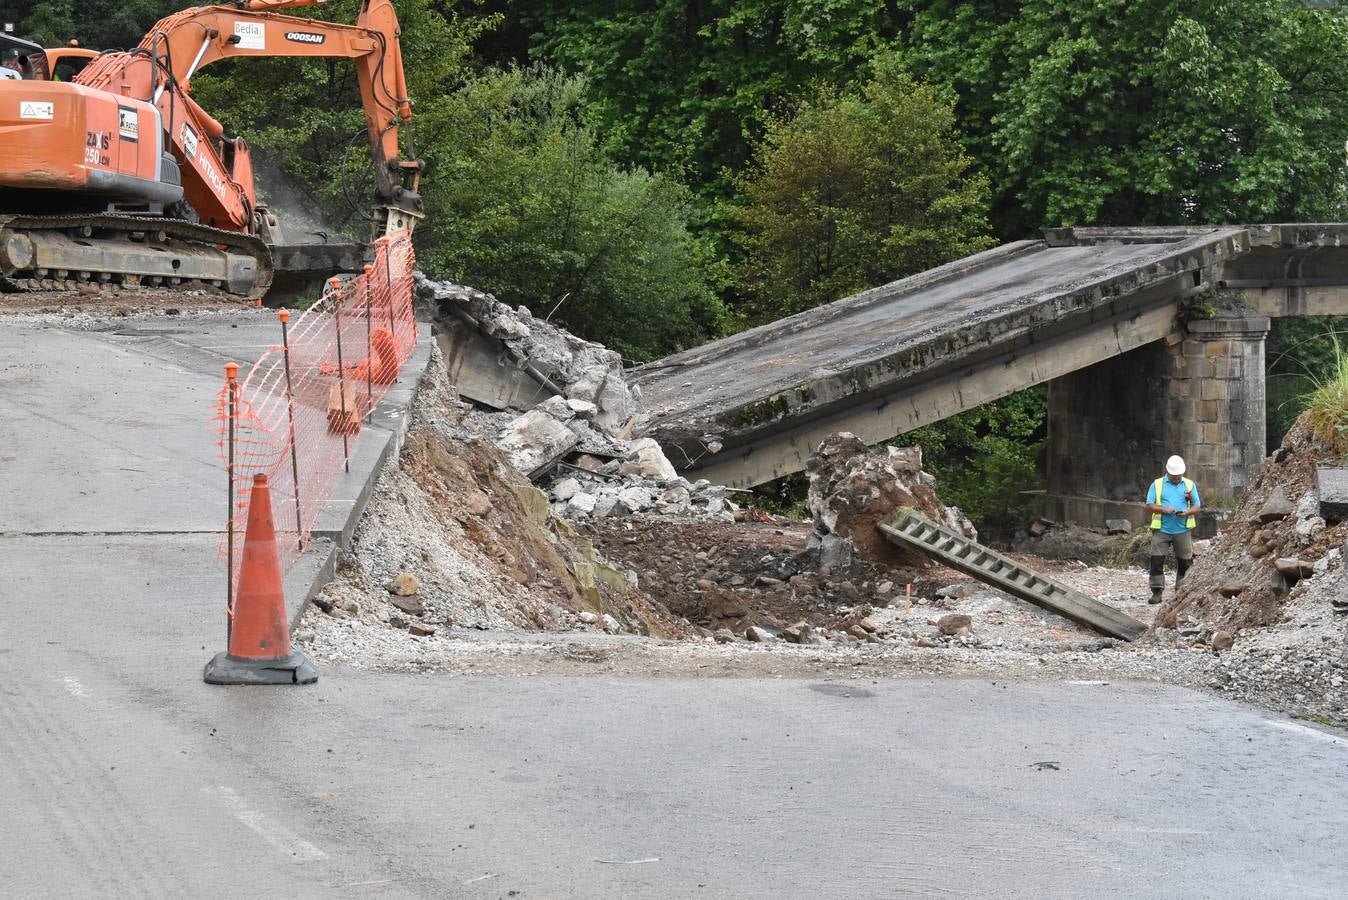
(686, 84)
(853, 190)
(1135, 112)
(523, 201)
(985, 457)
(99, 24)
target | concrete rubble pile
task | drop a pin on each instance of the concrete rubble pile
(575, 439)
(852, 487)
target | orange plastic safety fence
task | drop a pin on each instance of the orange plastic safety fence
(298, 412)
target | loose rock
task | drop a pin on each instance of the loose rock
(404, 584)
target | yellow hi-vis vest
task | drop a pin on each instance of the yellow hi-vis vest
(1156, 517)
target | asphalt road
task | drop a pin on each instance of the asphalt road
(122, 774)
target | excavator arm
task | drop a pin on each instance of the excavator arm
(216, 171)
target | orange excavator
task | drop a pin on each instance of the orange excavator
(119, 177)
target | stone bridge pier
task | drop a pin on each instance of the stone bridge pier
(1199, 393)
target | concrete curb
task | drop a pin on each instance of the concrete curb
(389, 424)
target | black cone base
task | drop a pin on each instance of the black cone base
(292, 669)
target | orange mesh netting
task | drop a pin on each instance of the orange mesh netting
(345, 351)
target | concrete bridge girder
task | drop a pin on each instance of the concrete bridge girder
(921, 349)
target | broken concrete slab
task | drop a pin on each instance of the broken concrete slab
(918, 350)
(953, 549)
(1332, 483)
(556, 361)
(535, 441)
(648, 461)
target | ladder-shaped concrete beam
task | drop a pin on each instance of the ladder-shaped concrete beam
(912, 530)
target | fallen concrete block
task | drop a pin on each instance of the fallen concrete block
(1332, 482)
(535, 441)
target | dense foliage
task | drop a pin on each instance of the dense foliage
(985, 457)
(854, 190)
(524, 202)
(656, 170)
(1145, 111)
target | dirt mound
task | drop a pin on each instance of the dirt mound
(737, 575)
(1274, 547)
(479, 542)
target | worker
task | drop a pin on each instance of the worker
(1174, 504)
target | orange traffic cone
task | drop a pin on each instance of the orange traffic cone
(259, 640)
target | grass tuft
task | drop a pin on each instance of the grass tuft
(1327, 404)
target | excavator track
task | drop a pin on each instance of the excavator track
(54, 253)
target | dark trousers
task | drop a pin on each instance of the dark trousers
(1161, 544)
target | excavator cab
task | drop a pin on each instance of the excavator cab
(22, 60)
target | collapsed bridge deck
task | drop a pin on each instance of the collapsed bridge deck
(921, 349)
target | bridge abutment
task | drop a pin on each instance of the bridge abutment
(1199, 393)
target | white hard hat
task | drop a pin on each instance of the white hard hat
(1175, 465)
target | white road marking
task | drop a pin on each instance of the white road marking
(481, 878)
(273, 832)
(73, 685)
(1088, 682)
(1313, 732)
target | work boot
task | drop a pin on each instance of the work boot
(1155, 597)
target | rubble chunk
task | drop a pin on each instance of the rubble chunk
(648, 461)
(852, 487)
(535, 441)
(404, 584)
(1292, 568)
(410, 605)
(1276, 507)
(954, 623)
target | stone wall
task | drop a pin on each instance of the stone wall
(1217, 401)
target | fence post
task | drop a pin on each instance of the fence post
(388, 285)
(369, 345)
(335, 285)
(290, 412)
(231, 405)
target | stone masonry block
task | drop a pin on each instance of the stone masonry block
(1207, 410)
(1215, 433)
(1216, 348)
(1213, 389)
